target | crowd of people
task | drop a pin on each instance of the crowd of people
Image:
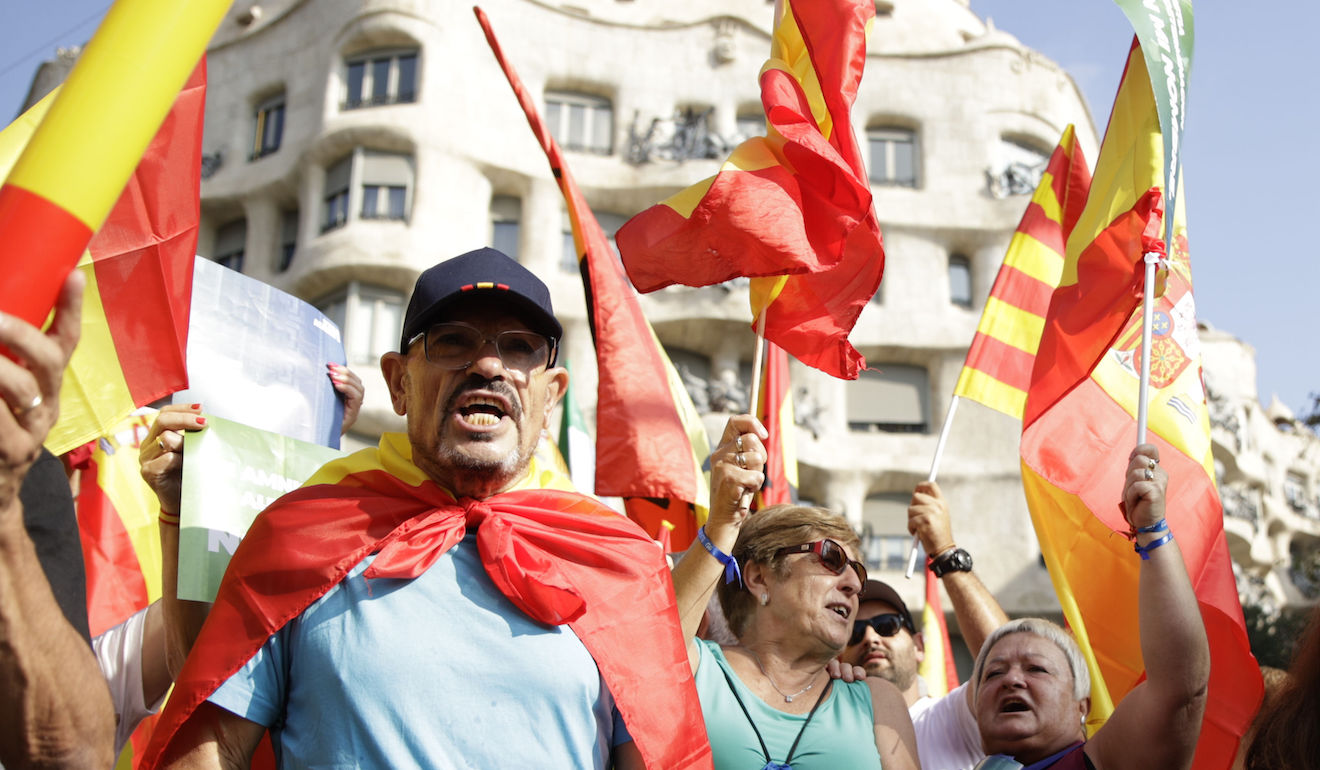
(443, 600)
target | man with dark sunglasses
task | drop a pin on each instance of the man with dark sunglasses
(492, 616)
(886, 642)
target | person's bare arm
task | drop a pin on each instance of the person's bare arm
(1157, 724)
(160, 460)
(895, 738)
(214, 739)
(55, 708)
(156, 675)
(696, 573)
(976, 609)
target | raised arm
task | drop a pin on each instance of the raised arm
(731, 484)
(976, 609)
(1158, 722)
(160, 460)
(55, 704)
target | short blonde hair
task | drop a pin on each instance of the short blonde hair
(1050, 632)
(764, 533)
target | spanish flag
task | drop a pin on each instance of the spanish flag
(650, 443)
(1079, 426)
(791, 209)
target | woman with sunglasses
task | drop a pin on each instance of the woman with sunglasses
(788, 582)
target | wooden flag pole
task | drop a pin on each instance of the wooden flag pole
(934, 471)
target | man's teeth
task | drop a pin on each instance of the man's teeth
(483, 419)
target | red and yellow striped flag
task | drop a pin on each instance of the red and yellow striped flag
(1079, 426)
(795, 202)
(937, 668)
(650, 442)
(775, 411)
(74, 167)
(998, 368)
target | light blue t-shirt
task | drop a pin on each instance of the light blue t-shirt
(840, 735)
(439, 672)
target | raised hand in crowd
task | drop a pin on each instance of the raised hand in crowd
(54, 706)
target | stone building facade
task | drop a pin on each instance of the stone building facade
(350, 144)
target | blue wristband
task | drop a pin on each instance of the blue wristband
(731, 571)
(1160, 526)
(1145, 550)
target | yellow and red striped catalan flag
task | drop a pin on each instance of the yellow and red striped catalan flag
(998, 368)
(1079, 426)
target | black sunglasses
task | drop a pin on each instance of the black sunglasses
(886, 624)
(832, 556)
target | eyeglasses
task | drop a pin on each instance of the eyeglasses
(885, 624)
(831, 554)
(455, 345)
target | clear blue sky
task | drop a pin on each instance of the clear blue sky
(1250, 160)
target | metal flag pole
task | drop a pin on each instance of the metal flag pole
(754, 398)
(1153, 261)
(934, 471)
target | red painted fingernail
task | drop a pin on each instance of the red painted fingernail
(196, 406)
(201, 420)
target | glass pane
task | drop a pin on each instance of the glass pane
(274, 129)
(398, 197)
(602, 129)
(504, 237)
(369, 195)
(553, 112)
(380, 81)
(880, 171)
(905, 169)
(751, 125)
(960, 281)
(386, 325)
(577, 126)
(357, 333)
(336, 210)
(569, 258)
(407, 90)
(356, 71)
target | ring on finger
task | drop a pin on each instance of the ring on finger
(1150, 475)
(741, 460)
(33, 404)
(1153, 463)
(737, 444)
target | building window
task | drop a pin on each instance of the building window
(960, 280)
(288, 239)
(505, 223)
(1020, 165)
(230, 243)
(1294, 491)
(371, 318)
(609, 223)
(384, 185)
(894, 399)
(380, 77)
(337, 182)
(885, 540)
(893, 156)
(267, 127)
(580, 121)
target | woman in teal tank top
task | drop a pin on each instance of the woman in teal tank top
(788, 582)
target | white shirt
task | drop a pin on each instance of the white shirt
(947, 735)
(119, 652)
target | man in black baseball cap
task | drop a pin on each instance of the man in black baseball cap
(444, 576)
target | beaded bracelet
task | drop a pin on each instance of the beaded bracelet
(731, 571)
(1145, 550)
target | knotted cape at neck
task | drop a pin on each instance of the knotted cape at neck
(559, 556)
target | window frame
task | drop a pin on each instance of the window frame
(559, 106)
(261, 116)
(370, 93)
(892, 136)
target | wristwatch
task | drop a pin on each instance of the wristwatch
(952, 560)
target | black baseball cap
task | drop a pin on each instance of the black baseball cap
(876, 591)
(487, 271)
